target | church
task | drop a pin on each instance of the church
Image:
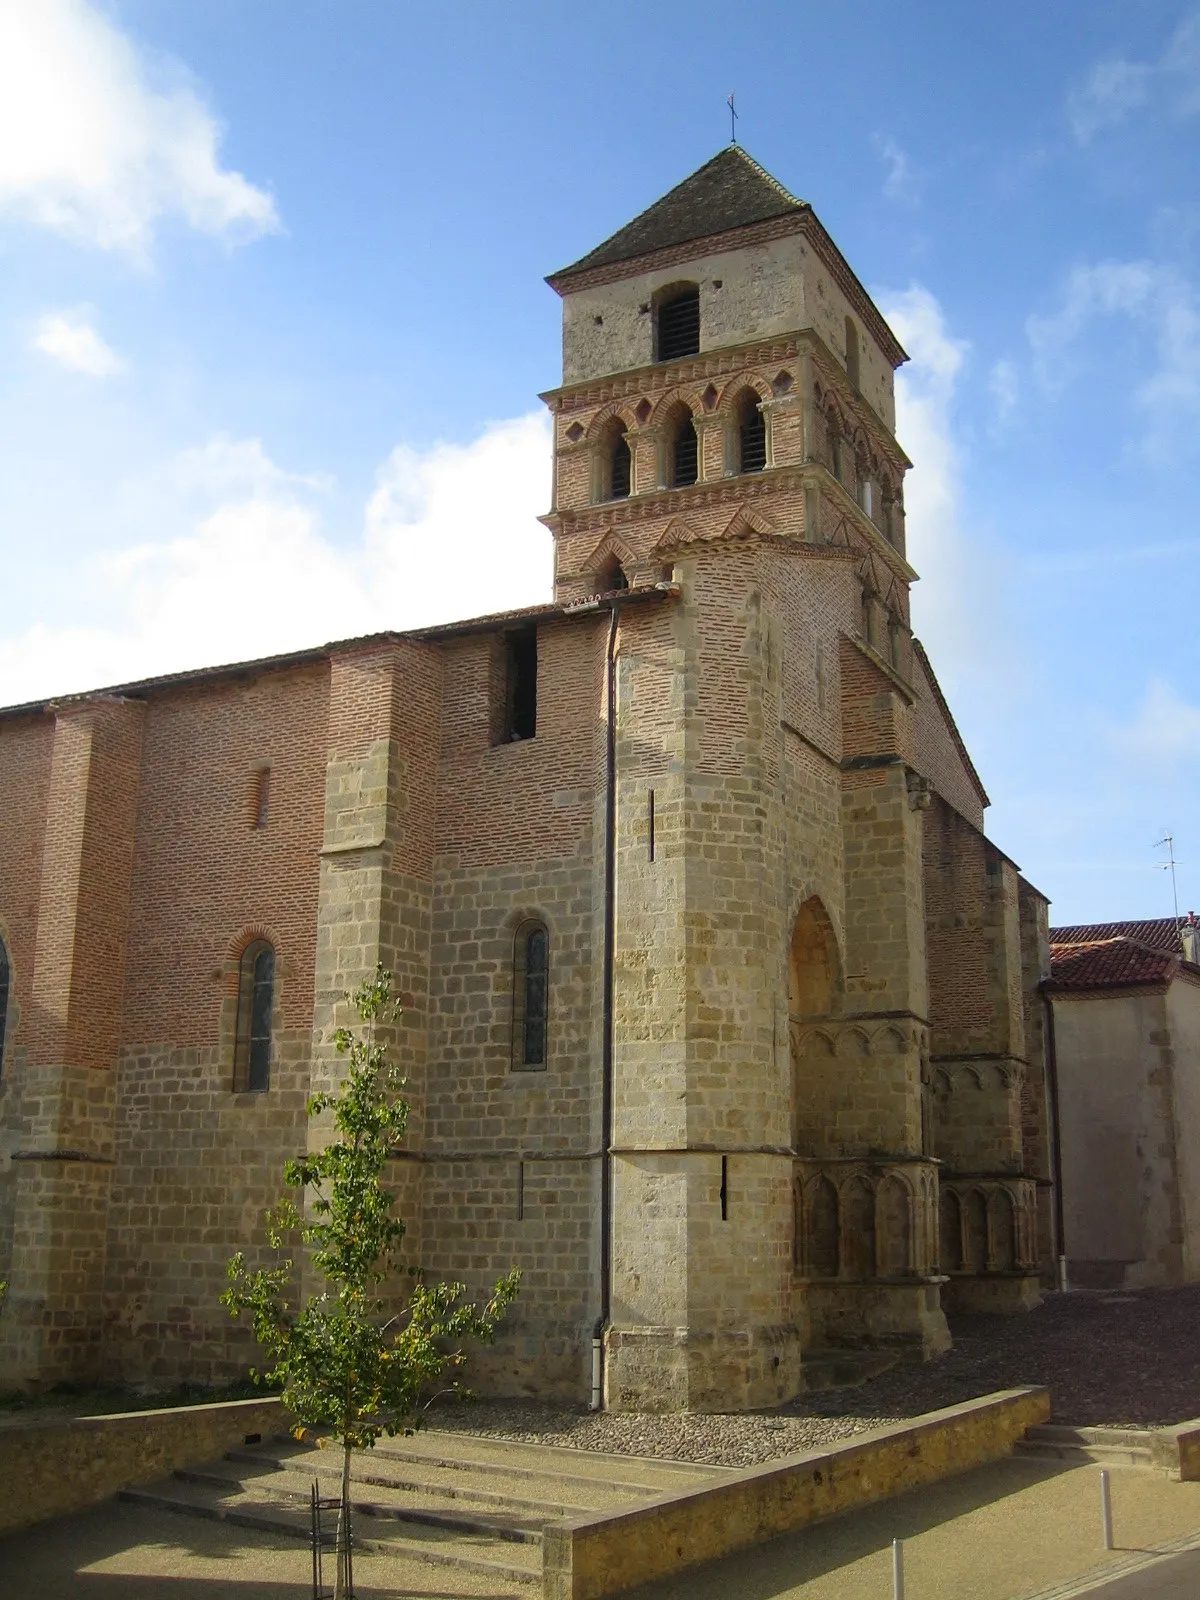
(721, 1015)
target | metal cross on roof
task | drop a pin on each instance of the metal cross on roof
(732, 120)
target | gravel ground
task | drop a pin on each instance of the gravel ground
(1128, 1359)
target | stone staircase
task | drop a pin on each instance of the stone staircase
(1110, 1447)
(452, 1499)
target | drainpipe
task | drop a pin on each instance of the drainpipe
(1060, 1247)
(606, 1048)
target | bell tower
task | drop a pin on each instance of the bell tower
(725, 423)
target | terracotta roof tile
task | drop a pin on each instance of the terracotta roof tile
(1110, 964)
(1160, 933)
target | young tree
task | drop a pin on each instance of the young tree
(345, 1359)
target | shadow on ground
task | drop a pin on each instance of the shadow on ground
(118, 1550)
(1122, 1359)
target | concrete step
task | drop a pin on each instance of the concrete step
(288, 1514)
(1113, 1447)
(631, 1476)
(839, 1369)
(434, 1482)
(380, 1500)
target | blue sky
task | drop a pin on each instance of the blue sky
(273, 328)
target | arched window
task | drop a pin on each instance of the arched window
(852, 352)
(685, 452)
(620, 466)
(752, 435)
(5, 975)
(677, 324)
(256, 995)
(531, 971)
(612, 576)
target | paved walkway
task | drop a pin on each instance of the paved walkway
(1012, 1531)
(1004, 1532)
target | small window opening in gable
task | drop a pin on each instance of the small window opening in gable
(531, 971)
(256, 996)
(620, 467)
(612, 576)
(752, 435)
(5, 983)
(685, 453)
(677, 325)
(852, 366)
(260, 797)
(520, 685)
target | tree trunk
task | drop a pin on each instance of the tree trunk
(341, 1585)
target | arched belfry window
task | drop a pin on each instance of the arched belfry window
(5, 984)
(531, 973)
(620, 466)
(685, 453)
(256, 996)
(752, 435)
(677, 324)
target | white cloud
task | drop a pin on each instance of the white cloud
(1165, 731)
(1112, 90)
(69, 338)
(91, 148)
(1117, 86)
(955, 606)
(447, 533)
(1156, 298)
(1004, 388)
(900, 183)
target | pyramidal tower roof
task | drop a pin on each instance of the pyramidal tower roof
(730, 191)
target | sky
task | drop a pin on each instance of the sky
(273, 327)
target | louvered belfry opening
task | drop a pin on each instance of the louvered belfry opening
(678, 325)
(620, 468)
(686, 459)
(752, 435)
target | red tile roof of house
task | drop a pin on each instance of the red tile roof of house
(1112, 964)
(1160, 933)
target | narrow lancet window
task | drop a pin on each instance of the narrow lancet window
(620, 468)
(677, 330)
(752, 435)
(520, 687)
(852, 367)
(531, 971)
(686, 461)
(256, 997)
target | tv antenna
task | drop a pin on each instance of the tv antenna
(732, 120)
(1167, 842)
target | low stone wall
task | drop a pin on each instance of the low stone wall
(51, 1468)
(589, 1558)
(1176, 1451)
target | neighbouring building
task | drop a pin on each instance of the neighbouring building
(1126, 1005)
(721, 1014)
